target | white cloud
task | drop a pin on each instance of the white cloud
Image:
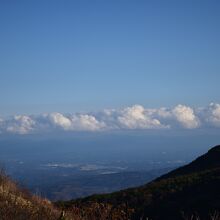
(82, 122)
(1, 124)
(185, 115)
(60, 120)
(20, 124)
(164, 113)
(134, 117)
(212, 114)
(86, 123)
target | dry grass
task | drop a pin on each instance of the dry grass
(16, 203)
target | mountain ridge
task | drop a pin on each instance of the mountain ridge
(209, 160)
(193, 188)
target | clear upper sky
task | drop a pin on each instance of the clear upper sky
(68, 55)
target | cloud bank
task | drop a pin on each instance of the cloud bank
(133, 118)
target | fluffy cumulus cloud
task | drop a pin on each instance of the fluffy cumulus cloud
(20, 124)
(86, 122)
(81, 122)
(211, 114)
(133, 117)
(59, 120)
(185, 115)
(136, 117)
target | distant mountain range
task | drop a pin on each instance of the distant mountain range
(189, 192)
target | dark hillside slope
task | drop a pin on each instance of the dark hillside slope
(194, 188)
(210, 160)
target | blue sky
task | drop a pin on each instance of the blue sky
(81, 55)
